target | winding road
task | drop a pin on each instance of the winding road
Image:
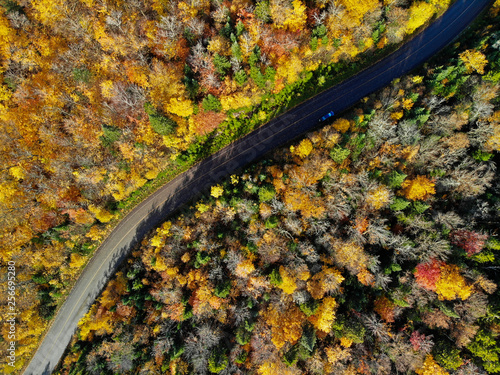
(188, 185)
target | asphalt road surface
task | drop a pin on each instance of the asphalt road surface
(188, 185)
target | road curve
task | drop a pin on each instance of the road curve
(277, 132)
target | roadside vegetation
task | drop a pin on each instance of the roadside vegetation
(101, 102)
(370, 246)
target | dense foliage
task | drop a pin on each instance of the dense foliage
(103, 101)
(368, 247)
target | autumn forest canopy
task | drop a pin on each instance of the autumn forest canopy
(369, 246)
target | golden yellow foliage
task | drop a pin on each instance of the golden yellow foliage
(474, 61)
(95, 233)
(201, 207)
(289, 68)
(161, 233)
(328, 280)
(350, 255)
(17, 172)
(284, 327)
(417, 79)
(397, 115)
(341, 125)
(273, 368)
(325, 315)
(418, 188)
(216, 191)
(151, 174)
(245, 268)
(304, 148)
(336, 354)
(235, 101)
(107, 89)
(90, 324)
(6, 35)
(493, 142)
(49, 12)
(420, 13)
(378, 197)
(180, 107)
(430, 367)
(298, 200)
(101, 214)
(358, 8)
(451, 284)
(407, 103)
(77, 261)
(365, 277)
(288, 285)
(495, 8)
(345, 342)
(290, 18)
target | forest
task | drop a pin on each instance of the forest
(102, 102)
(370, 246)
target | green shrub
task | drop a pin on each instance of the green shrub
(420, 207)
(111, 135)
(485, 347)
(308, 339)
(310, 307)
(484, 256)
(272, 222)
(222, 290)
(395, 179)
(482, 156)
(240, 77)
(221, 64)
(263, 11)
(319, 31)
(241, 358)
(243, 336)
(217, 362)
(314, 43)
(249, 326)
(339, 154)
(493, 244)
(211, 103)
(202, 258)
(236, 51)
(399, 204)
(160, 124)
(39, 279)
(448, 356)
(275, 276)
(292, 356)
(266, 193)
(176, 351)
(82, 75)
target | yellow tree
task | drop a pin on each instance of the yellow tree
(287, 16)
(288, 285)
(430, 367)
(474, 61)
(325, 315)
(420, 13)
(350, 255)
(356, 9)
(326, 281)
(418, 188)
(378, 198)
(285, 327)
(451, 284)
